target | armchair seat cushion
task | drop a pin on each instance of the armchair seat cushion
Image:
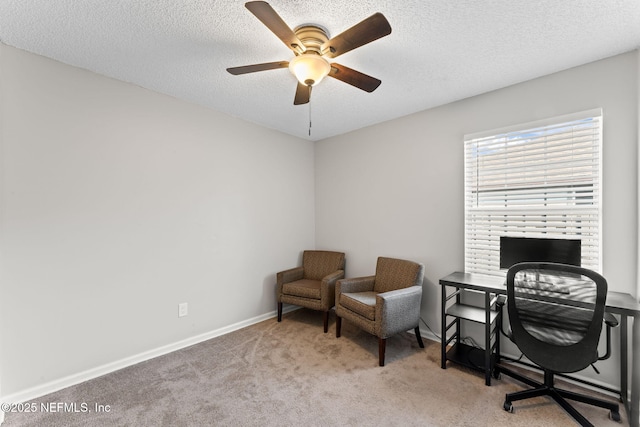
(362, 303)
(305, 288)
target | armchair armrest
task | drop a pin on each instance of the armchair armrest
(356, 284)
(333, 277)
(398, 310)
(328, 287)
(286, 276)
(290, 275)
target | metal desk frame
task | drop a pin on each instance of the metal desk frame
(619, 303)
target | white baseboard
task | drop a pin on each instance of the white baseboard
(71, 380)
(427, 335)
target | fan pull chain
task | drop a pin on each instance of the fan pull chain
(309, 118)
(310, 87)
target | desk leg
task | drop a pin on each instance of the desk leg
(443, 336)
(498, 336)
(634, 412)
(487, 339)
(624, 361)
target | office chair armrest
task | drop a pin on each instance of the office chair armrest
(501, 301)
(611, 322)
(356, 284)
(398, 310)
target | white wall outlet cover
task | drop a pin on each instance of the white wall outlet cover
(183, 309)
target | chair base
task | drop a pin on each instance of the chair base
(325, 317)
(548, 389)
(382, 342)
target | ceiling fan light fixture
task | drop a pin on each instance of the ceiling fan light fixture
(313, 48)
(309, 68)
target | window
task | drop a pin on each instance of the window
(540, 179)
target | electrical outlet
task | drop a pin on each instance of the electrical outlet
(183, 309)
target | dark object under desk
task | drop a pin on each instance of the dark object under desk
(619, 303)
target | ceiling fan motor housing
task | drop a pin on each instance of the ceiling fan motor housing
(312, 36)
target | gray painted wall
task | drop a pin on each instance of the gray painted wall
(396, 189)
(118, 204)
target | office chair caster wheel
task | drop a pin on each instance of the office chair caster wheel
(615, 416)
(508, 406)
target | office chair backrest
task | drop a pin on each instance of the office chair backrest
(556, 313)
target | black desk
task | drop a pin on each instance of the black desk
(617, 302)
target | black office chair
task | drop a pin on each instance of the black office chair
(556, 313)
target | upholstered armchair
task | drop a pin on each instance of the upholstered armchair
(384, 304)
(313, 284)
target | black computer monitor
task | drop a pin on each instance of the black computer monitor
(527, 249)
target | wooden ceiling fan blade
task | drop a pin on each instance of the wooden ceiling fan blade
(270, 18)
(303, 94)
(257, 67)
(372, 28)
(354, 78)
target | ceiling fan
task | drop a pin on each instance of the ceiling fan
(312, 48)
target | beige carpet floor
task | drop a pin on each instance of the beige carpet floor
(292, 374)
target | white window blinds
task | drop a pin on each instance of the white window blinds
(540, 179)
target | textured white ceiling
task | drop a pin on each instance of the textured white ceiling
(439, 51)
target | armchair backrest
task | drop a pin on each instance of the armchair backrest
(318, 264)
(556, 313)
(393, 274)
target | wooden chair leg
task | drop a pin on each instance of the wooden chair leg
(418, 336)
(326, 321)
(338, 326)
(382, 344)
(279, 312)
